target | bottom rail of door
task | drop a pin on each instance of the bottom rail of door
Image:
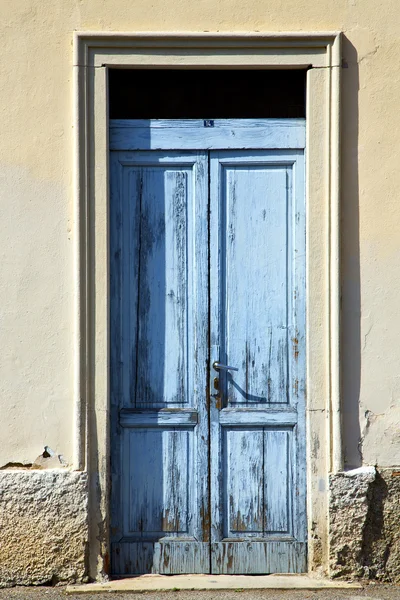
(167, 558)
(258, 558)
(227, 558)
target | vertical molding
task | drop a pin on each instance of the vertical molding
(337, 461)
(81, 299)
(79, 262)
(328, 255)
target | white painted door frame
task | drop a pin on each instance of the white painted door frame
(93, 54)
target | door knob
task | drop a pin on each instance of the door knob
(218, 367)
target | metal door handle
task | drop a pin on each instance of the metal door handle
(218, 366)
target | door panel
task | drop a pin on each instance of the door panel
(254, 278)
(162, 367)
(257, 257)
(243, 482)
(157, 233)
(276, 478)
(256, 481)
(159, 308)
(155, 509)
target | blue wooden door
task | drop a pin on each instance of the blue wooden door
(159, 315)
(207, 255)
(258, 328)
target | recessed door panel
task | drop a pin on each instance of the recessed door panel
(159, 493)
(243, 482)
(255, 278)
(256, 479)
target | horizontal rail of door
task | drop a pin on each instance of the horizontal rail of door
(258, 417)
(168, 418)
(189, 418)
(227, 558)
(208, 134)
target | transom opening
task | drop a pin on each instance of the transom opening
(207, 94)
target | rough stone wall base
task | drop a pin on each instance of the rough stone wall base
(365, 524)
(43, 527)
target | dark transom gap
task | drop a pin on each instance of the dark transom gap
(206, 94)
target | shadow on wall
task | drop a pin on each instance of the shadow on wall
(350, 249)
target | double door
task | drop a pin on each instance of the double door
(207, 330)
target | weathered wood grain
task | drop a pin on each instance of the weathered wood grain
(257, 474)
(161, 375)
(159, 304)
(158, 491)
(243, 482)
(132, 558)
(160, 418)
(257, 281)
(252, 558)
(251, 417)
(166, 558)
(181, 557)
(255, 226)
(277, 476)
(191, 134)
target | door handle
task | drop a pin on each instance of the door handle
(218, 396)
(218, 367)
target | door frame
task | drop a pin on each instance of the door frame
(93, 54)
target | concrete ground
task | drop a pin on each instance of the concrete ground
(370, 592)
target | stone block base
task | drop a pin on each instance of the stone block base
(43, 527)
(364, 513)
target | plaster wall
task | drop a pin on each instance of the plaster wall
(36, 296)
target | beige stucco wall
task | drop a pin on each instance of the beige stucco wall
(36, 295)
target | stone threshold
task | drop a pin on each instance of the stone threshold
(152, 583)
